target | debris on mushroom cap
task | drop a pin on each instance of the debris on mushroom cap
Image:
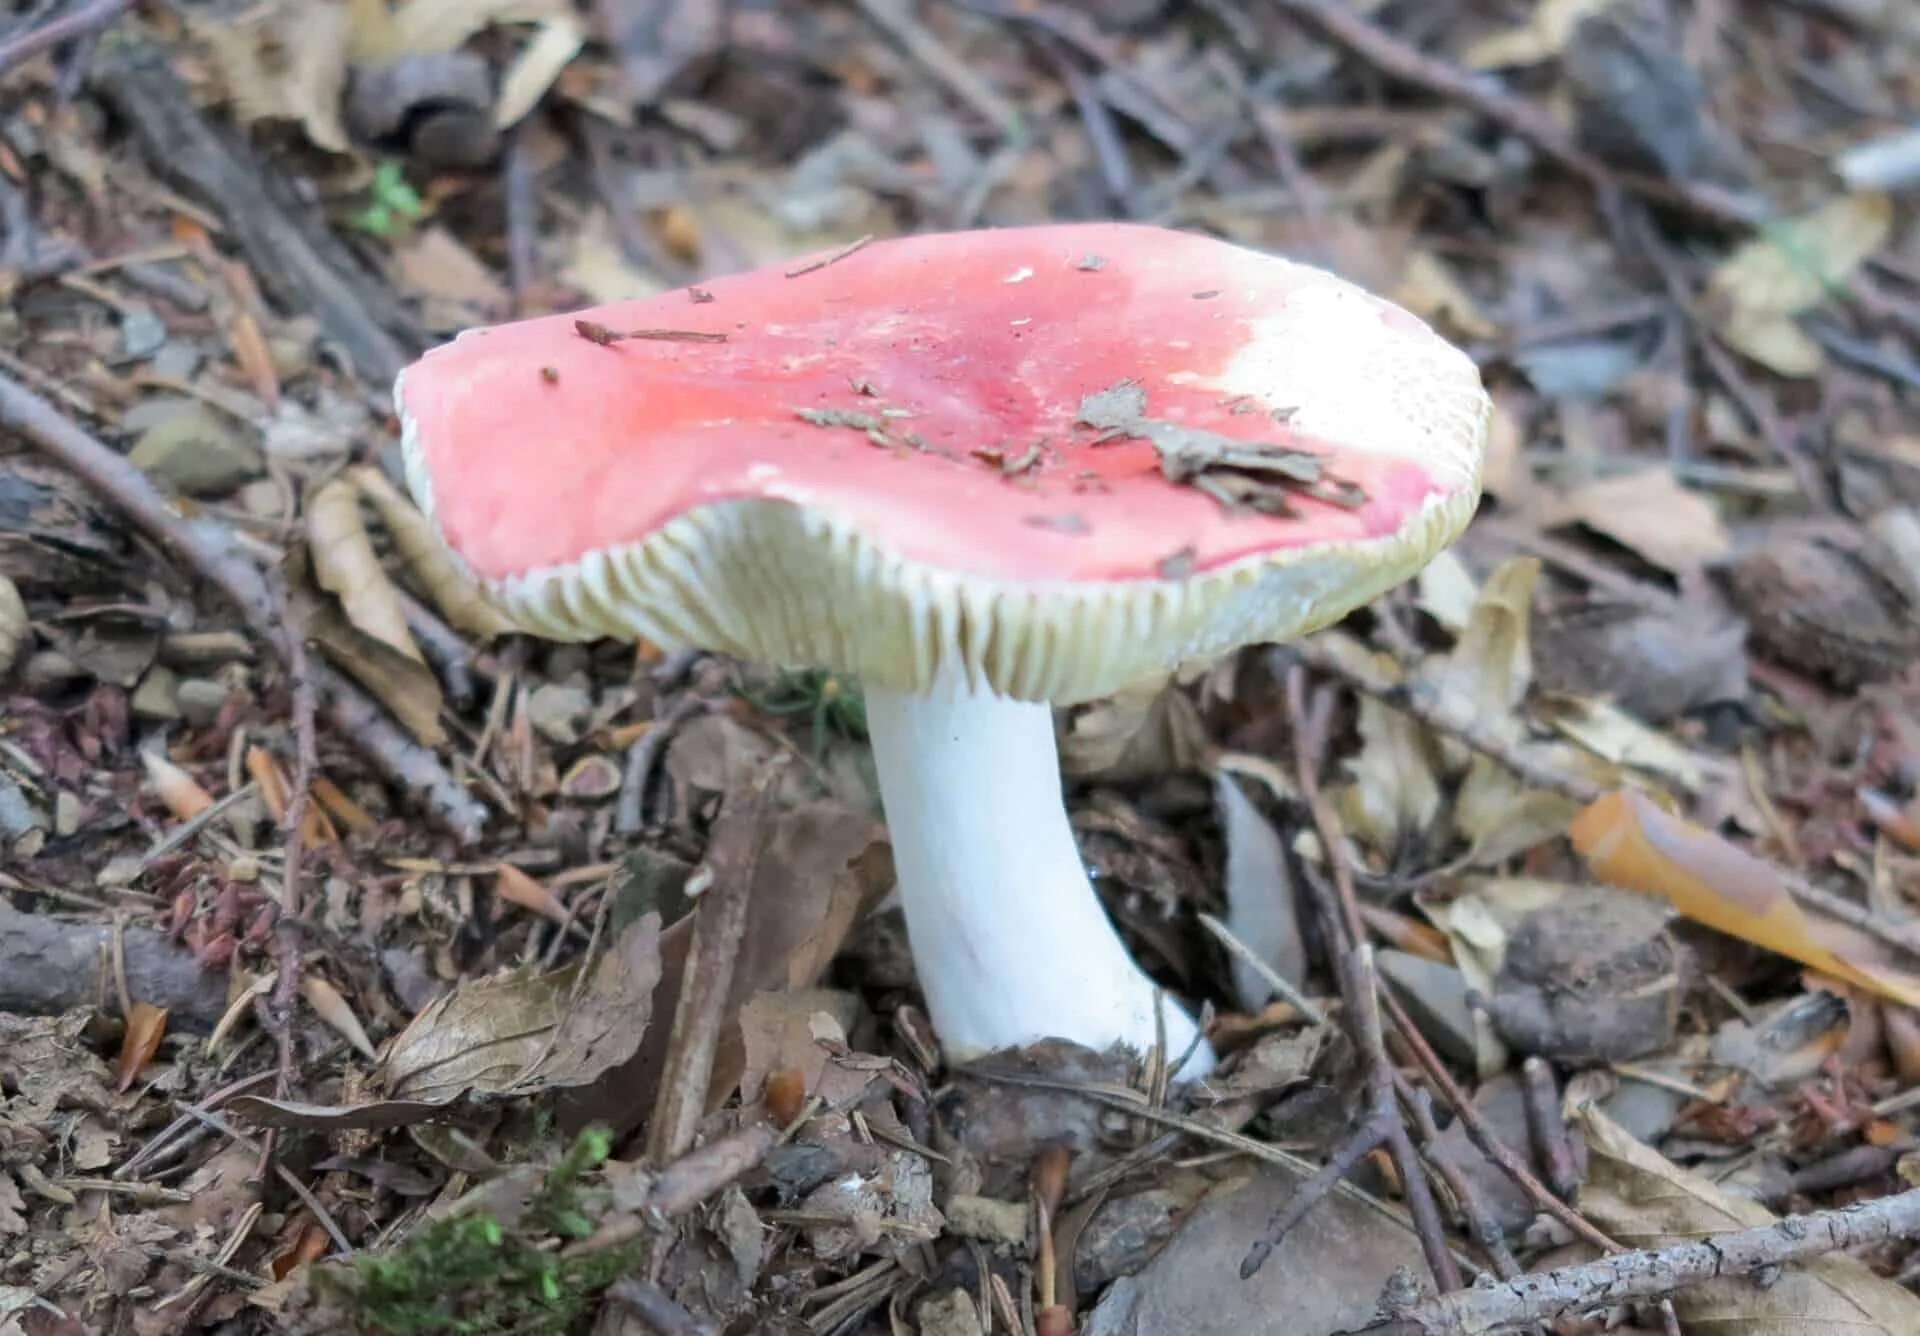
(705, 473)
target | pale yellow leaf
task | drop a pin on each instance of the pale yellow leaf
(1645, 1200)
(446, 581)
(174, 787)
(1395, 789)
(1543, 36)
(1790, 268)
(1486, 676)
(1434, 292)
(332, 1008)
(13, 624)
(536, 67)
(346, 566)
(432, 27)
(283, 61)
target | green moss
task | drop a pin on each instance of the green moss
(474, 1275)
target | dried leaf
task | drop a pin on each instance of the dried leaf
(377, 1115)
(332, 1008)
(1433, 292)
(285, 61)
(431, 27)
(175, 787)
(433, 263)
(1145, 729)
(1652, 514)
(449, 584)
(13, 624)
(825, 867)
(246, 336)
(407, 688)
(1620, 739)
(527, 1032)
(536, 67)
(1629, 841)
(1789, 269)
(516, 887)
(1261, 909)
(1327, 1276)
(1543, 36)
(1395, 790)
(1639, 1196)
(1502, 818)
(345, 565)
(146, 1027)
(780, 1031)
(1486, 676)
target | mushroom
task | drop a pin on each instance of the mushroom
(989, 473)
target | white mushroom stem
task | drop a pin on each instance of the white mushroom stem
(1009, 940)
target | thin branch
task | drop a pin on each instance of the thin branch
(1654, 1273)
(719, 924)
(82, 22)
(210, 550)
(1348, 28)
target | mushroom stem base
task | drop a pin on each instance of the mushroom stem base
(1010, 942)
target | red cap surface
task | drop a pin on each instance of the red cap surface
(923, 406)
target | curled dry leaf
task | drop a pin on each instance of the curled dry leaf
(13, 624)
(1486, 676)
(1629, 841)
(452, 589)
(1789, 269)
(182, 795)
(1543, 35)
(517, 888)
(332, 1008)
(1394, 790)
(1646, 1201)
(146, 1027)
(408, 689)
(283, 61)
(346, 566)
(526, 1032)
(533, 71)
(1147, 728)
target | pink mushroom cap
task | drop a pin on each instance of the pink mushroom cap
(877, 460)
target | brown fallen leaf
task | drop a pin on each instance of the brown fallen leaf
(1651, 514)
(1646, 1201)
(826, 865)
(345, 565)
(408, 689)
(146, 1027)
(271, 782)
(1629, 841)
(527, 1032)
(451, 587)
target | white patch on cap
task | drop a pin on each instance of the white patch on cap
(1020, 275)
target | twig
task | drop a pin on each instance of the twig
(811, 266)
(896, 18)
(1385, 1124)
(1268, 974)
(1347, 28)
(630, 809)
(685, 1184)
(1654, 1273)
(719, 924)
(1481, 1227)
(655, 1309)
(516, 184)
(1547, 1127)
(82, 22)
(211, 551)
(1426, 707)
(286, 933)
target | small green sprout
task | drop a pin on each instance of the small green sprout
(393, 206)
(833, 699)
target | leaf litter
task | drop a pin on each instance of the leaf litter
(1683, 715)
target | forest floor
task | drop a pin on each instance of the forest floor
(362, 967)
